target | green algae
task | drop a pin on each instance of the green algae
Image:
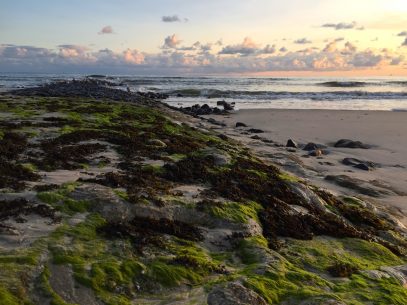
(233, 211)
(323, 252)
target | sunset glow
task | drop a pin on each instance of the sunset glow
(315, 37)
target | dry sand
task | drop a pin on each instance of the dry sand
(385, 131)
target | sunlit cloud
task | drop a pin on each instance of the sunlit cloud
(171, 42)
(247, 47)
(404, 33)
(106, 30)
(201, 57)
(404, 44)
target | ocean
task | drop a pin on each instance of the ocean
(388, 93)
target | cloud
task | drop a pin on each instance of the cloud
(339, 39)
(404, 44)
(404, 33)
(133, 56)
(173, 18)
(199, 58)
(395, 61)
(106, 30)
(268, 49)
(302, 41)
(171, 42)
(344, 26)
(247, 47)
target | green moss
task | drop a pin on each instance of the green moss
(7, 298)
(234, 211)
(287, 177)
(362, 290)
(250, 250)
(60, 200)
(122, 194)
(323, 252)
(173, 275)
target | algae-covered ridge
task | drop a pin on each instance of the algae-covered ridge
(107, 202)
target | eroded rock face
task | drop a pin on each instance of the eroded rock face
(234, 294)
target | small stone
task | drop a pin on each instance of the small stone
(313, 146)
(255, 130)
(346, 143)
(240, 124)
(291, 143)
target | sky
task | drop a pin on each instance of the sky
(174, 37)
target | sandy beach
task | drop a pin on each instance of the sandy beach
(384, 131)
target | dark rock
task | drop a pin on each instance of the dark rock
(360, 164)
(255, 130)
(240, 124)
(215, 122)
(223, 136)
(313, 146)
(89, 87)
(256, 137)
(291, 143)
(346, 143)
(226, 106)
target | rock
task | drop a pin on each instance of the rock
(398, 273)
(358, 185)
(346, 143)
(219, 157)
(226, 105)
(255, 130)
(291, 143)
(313, 146)
(234, 294)
(240, 124)
(215, 122)
(256, 137)
(360, 164)
(316, 153)
(223, 137)
(319, 152)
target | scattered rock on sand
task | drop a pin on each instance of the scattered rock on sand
(227, 106)
(346, 143)
(313, 146)
(240, 124)
(255, 130)
(360, 164)
(291, 143)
